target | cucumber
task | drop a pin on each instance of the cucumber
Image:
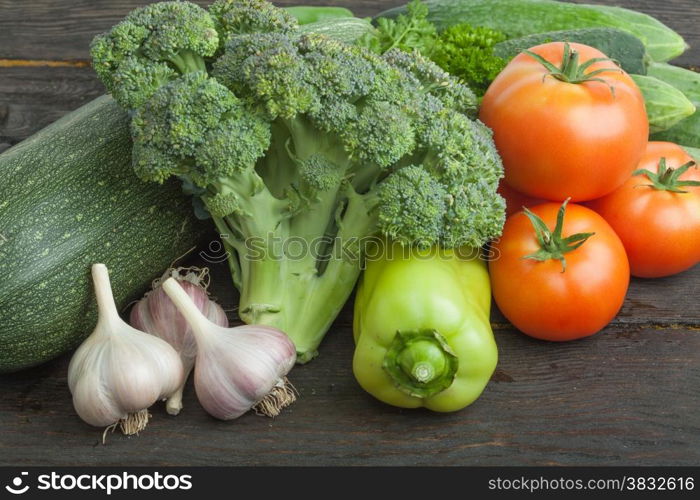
(517, 18)
(694, 152)
(685, 80)
(686, 132)
(345, 29)
(666, 105)
(627, 50)
(69, 198)
(307, 14)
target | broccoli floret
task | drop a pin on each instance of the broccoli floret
(196, 128)
(412, 206)
(151, 46)
(267, 68)
(301, 146)
(233, 17)
(434, 80)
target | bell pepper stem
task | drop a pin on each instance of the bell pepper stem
(420, 362)
(423, 372)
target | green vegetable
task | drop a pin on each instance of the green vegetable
(468, 53)
(666, 105)
(422, 330)
(685, 80)
(517, 18)
(686, 132)
(68, 198)
(313, 14)
(694, 152)
(344, 29)
(627, 50)
(408, 32)
(300, 146)
(461, 50)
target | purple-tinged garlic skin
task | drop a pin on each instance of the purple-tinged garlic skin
(239, 367)
(156, 314)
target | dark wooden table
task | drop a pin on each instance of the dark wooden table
(628, 396)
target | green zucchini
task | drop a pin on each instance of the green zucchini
(345, 29)
(627, 50)
(666, 105)
(686, 132)
(69, 198)
(517, 18)
(307, 14)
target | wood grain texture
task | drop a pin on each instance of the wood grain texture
(627, 396)
(33, 97)
(62, 30)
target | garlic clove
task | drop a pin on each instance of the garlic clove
(252, 358)
(119, 372)
(92, 404)
(156, 314)
(237, 368)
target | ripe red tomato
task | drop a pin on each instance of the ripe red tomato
(560, 139)
(660, 228)
(539, 296)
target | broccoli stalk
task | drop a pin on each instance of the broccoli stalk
(303, 147)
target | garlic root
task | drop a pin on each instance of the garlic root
(282, 395)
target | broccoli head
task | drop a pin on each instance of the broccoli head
(293, 138)
(369, 117)
(151, 46)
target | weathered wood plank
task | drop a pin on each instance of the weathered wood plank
(31, 98)
(627, 397)
(47, 29)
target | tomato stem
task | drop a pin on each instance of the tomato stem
(571, 71)
(552, 244)
(667, 178)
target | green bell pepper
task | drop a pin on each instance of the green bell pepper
(422, 330)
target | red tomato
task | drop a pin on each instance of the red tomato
(560, 139)
(659, 228)
(541, 298)
(516, 201)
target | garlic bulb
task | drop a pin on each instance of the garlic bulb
(157, 315)
(237, 368)
(118, 372)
